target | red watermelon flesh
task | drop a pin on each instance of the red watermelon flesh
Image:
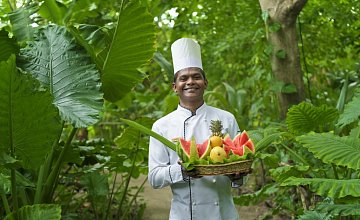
(185, 146)
(204, 149)
(249, 144)
(237, 144)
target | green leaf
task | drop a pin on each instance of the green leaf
(266, 141)
(53, 11)
(339, 209)
(148, 131)
(166, 65)
(131, 135)
(132, 46)
(8, 46)
(29, 121)
(281, 54)
(21, 22)
(332, 149)
(327, 187)
(280, 174)
(36, 212)
(254, 198)
(96, 184)
(289, 88)
(56, 61)
(305, 117)
(5, 184)
(274, 27)
(351, 112)
(313, 215)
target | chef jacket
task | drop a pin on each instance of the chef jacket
(208, 197)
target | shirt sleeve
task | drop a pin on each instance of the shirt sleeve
(162, 172)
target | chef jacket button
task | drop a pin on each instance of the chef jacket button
(216, 203)
(214, 180)
(194, 203)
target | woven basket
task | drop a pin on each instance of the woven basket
(243, 166)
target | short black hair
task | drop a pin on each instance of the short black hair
(201, 71)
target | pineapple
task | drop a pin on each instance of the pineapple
(216, 135)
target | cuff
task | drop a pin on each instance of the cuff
(175, 173)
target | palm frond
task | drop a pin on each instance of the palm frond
(332, 149)
(56, 61)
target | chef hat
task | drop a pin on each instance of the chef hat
(185, 53)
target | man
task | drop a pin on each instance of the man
(194, 197)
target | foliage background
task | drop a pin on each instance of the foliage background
(235, 52)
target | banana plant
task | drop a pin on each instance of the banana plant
(56, 84)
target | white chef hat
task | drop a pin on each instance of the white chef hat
(185, 53)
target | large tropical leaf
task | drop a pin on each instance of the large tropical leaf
(56, 61)
(313, 215)
(36, 212)
(8, 46)
(28, 118)
(342, 151)
(327, 187)
(340, 209)
(21, 22)
(132, 46)
(282, 173)
(352, 111)
(305, 117)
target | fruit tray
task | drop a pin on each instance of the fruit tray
(243, 167)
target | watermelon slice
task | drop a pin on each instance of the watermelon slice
(204, 149)
(239, 144)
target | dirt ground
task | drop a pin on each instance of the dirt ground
(158, 204)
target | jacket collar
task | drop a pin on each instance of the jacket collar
(188, 112)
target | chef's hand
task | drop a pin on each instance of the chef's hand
(237, 176)
(188, 173)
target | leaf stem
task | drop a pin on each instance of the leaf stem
(5, 201)
(295, 154)
(50, 183)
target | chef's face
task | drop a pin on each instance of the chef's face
(190, 84)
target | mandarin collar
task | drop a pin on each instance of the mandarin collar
(188, 111)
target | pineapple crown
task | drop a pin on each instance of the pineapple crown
(216, 128)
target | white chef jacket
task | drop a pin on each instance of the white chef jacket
(210, 196)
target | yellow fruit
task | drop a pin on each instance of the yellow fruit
(215, 141)
(217, 154)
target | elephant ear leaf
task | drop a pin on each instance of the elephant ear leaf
(8, 46)
(332, 149)
(58, 63)
(37, 211)
(29, 121)
(132, 46)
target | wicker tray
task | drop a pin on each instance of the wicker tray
(243, 166)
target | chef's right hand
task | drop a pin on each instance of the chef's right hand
(189, 173)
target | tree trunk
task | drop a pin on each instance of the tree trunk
(285, 57)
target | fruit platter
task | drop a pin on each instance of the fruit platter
(217, 155)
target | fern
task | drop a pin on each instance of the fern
(351, 112)
(342, 151)
(327, 187)
(305, 117)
